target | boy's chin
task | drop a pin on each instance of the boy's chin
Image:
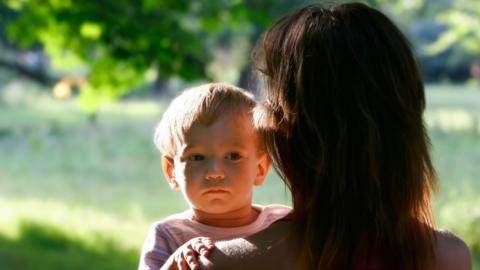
(217, 207)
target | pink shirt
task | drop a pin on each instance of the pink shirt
(165, 236)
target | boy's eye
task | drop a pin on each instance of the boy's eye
(196, 157)
(233, 156)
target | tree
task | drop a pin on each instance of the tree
(116, 43)
(462, 36)
(463, 21)
(26, 63)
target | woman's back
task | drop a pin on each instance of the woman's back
(269, 249)
(344, 126)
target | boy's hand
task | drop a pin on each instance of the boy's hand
(186, 256)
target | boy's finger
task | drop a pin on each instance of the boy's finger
(204, 242)
(209, 243)
(191, 259)
(200, 247)
(201, 250)
(181, 263)
(178, 261)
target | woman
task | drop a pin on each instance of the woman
(346, 99)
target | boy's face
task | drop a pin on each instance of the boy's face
(218, 165)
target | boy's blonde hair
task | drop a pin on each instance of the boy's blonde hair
(202, 104)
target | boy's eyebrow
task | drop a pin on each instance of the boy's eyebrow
(188, 147)
(236, 144)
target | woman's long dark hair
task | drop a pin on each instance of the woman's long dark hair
(347, 100)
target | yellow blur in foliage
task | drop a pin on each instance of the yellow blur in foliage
(63, 89)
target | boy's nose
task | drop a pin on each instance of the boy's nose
(215, 172)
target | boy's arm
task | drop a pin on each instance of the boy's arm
(156, 249)
(160, 250)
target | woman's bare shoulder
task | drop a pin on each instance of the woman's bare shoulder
(267, 249)
(451, 252)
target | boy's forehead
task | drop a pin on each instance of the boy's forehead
(237, 115)
(236, 127)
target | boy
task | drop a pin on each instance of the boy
(212, 152)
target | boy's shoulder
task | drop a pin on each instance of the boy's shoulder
(170, 224)
(173, 220)
(176, 228)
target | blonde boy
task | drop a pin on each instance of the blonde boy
(212, 152)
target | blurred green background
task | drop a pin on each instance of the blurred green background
(83, 83)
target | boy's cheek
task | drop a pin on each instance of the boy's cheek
(190, 167)
(243, 169)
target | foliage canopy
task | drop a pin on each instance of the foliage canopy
(117, 44)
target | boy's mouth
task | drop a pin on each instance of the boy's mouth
(216, 190)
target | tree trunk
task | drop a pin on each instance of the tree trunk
(249, 81)
(160, 86)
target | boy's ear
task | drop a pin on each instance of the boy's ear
(263, 165)
(168, 166)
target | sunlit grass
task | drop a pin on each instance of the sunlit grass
(48, 234)
(453, 110)
(84, 224)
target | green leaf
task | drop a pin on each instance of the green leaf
(90, 30)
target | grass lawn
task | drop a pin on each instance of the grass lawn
(81, 196)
